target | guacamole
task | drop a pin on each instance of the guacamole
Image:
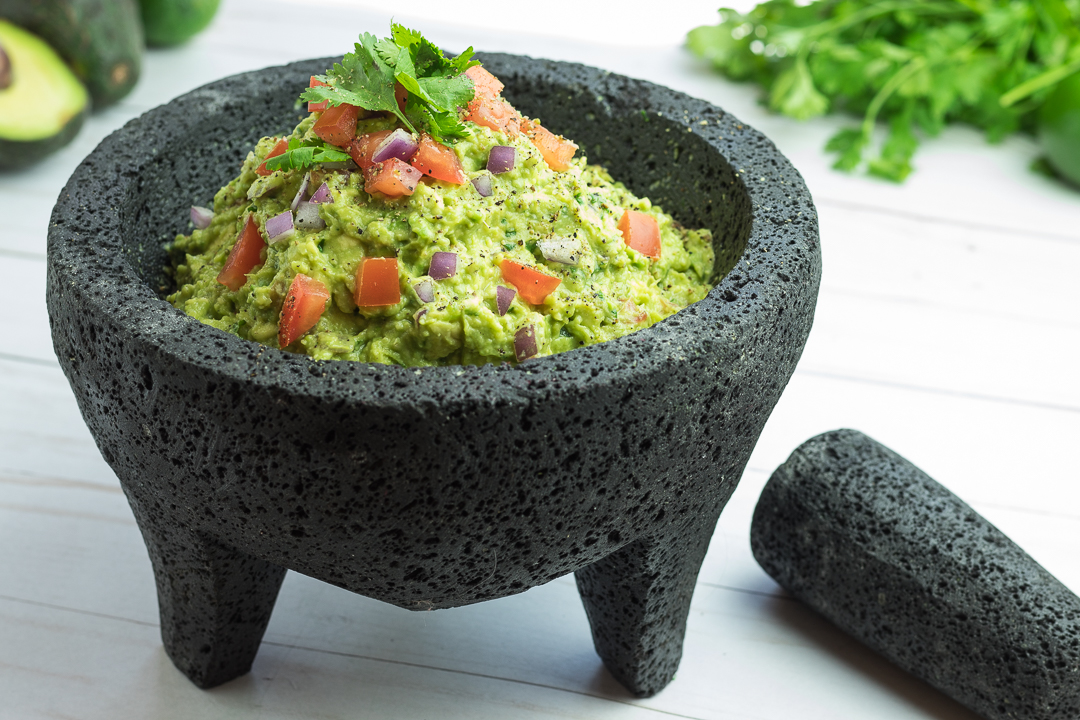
(382, 262)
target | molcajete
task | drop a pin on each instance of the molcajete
(439, 486)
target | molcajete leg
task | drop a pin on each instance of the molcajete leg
(215, 603)
(637, 600)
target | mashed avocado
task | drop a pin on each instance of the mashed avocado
(563, 224)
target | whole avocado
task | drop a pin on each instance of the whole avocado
(1059, 128)
(171, 22)
(101, 40)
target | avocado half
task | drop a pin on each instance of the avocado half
(43, 104)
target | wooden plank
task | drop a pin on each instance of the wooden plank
(42, 434)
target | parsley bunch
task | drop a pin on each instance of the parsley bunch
(916, 64)
(436, 85)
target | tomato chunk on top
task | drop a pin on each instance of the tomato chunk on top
(557, 150)
(337, 125)
(393, 178)
(245, 255)
(317, 106)
(364, 146)
(304, 305)
(438, 161)
(279, 147)
(641, 233)
(377, 282)
(484, 82)
(533, 285)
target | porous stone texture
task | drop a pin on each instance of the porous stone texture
(890, 556)
(442, 486)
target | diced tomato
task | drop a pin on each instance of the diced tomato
(319, 106)
(279, 147)
(245, 255)
(440, 162)
(484, 82)
(377, 282)
(363, 147)
(556, 149)
(303, 306)
(393, 178)
(401, 95)
(531, 284)
(493, 112)
(337, 125)
(641, 233)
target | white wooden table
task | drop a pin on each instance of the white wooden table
(947, 328)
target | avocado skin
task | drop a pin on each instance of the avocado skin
(101, 40)
(16, 154)
(172, 22)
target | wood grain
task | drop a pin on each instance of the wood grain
(946, 328)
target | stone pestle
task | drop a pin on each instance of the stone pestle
(893, 558)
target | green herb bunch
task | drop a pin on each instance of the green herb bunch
(436, 85)
(917, 65)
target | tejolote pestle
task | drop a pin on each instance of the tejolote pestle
(893, 558)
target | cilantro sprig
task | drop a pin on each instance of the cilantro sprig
(917, 65)
(436, 85)
(305, 153)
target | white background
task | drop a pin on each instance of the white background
(946, 328)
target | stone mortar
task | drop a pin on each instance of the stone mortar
(431, 487)
(893, 558)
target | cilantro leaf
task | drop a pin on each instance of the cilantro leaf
(304, 154)
(436, 85)
(916, 65)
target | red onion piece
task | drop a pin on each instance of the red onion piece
(308, 217)
(425, 290)
(201, 217)
(279, 227)
(561, 250)
(322, 195)
(500, 159)
(525, 343)
(443, 265)
(482, 183)
(419, 314)
(399, 144)
(300, 193)
(503, 297)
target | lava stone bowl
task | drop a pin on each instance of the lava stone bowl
(442, 486)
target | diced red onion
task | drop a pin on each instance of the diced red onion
(300, 193)
(201, 217)
(482, 183)
(279, 227)
(399, 144)
(561, 250)
(503, 297)
(501, 159)
(425, 290)
(443, 265)
(419, 314)
(322, 195)
(525, 343)
(308, 217)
